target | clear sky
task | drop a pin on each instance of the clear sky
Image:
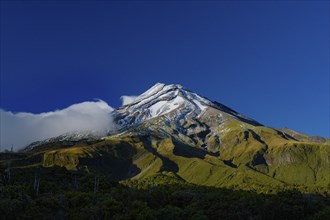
(268, 60)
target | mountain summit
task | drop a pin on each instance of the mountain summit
(169, 129)
(172, 100)
(180, 113)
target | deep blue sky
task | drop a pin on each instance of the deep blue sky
(267, 60)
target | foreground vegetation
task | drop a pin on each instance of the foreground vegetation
(54, 193)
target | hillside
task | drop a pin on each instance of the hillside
(171, 129)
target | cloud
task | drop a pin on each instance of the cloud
(21, 129)
(128, 99)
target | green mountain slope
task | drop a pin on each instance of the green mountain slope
(171, 130)
(245, 161)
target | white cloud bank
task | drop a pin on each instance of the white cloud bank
(21, 129)
(128, 99)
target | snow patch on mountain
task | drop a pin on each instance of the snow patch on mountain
(164, 107)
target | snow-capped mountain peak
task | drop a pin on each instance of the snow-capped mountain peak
(158, 88)
(173, 101)
(162, 99)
